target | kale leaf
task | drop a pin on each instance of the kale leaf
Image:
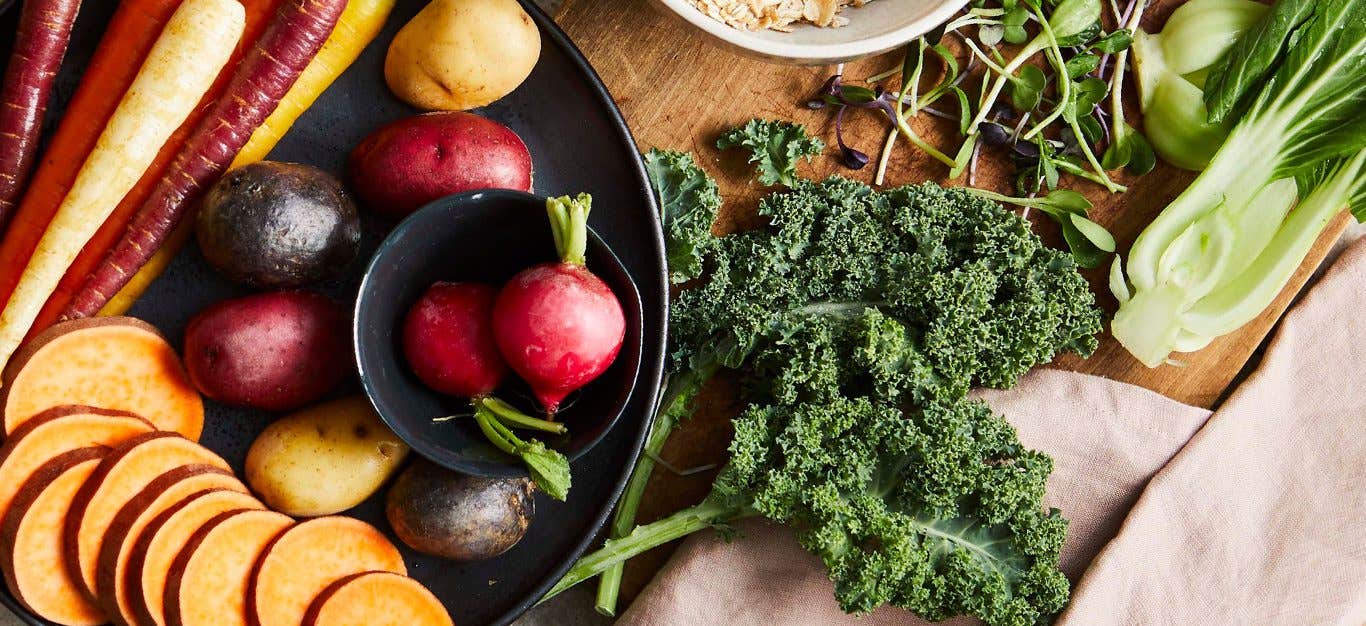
(775, 147)
(688, 202)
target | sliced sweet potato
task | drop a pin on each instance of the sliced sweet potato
(304, 560)
(120, 476)
(376, 599)
(58, 430)
(31, 540)
(162, 540)
(159, 495)
(207, 584)
(111, 362)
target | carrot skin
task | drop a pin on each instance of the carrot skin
(259, 15)
(270, 68)
(188, 55)
(130, 35)
(360, 23)
(39, 47)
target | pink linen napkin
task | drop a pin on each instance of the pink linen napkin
(1256, 515)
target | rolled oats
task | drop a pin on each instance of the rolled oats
(776, 14)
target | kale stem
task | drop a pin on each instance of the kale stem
(673, 407)
(617, 551)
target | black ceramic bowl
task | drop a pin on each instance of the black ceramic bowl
(485, 236)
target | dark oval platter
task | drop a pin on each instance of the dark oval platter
(578, 142)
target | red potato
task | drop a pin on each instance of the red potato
(411, 162)
(448, 340)
(263, 77)
(163, 539)
(558, 325)
(39, 46)
(31, 541)
(272, 351)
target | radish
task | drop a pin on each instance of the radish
(557, 324)
(39, 46)
(448, 341)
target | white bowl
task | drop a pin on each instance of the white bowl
(878, 26)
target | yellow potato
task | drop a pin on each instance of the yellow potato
(324, 459)
(461, 54)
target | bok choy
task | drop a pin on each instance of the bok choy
(1293, 90)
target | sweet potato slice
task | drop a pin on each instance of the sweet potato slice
(159, 495)
(308, 557)
(120, 476)
(31, 540)
(207, 584)
(376, 599)
(58, 430)
(162, 540)
(110, 362)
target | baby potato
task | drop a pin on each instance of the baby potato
(324, 459)
(461, 54)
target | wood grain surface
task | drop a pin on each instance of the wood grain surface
(679, 91)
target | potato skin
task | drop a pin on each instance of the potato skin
(456, 55)
(466, 518)
(272, 351)
(410, 162)
(275, 225)
(323, 460)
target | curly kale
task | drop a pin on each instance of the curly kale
(966, 294)
(688, 202)
(858, 320)
(934, 509)
(774, 147)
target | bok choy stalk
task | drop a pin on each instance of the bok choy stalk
(1216, 256)
(1171, 67)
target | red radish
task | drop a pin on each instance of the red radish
(406, 164)
(557, 324)
(264, 76)
(448, 340)
(39, 45)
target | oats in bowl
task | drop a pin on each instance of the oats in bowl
(776, 14)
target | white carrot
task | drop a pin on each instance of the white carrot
(187, 57)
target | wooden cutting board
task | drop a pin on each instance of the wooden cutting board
(679, 91)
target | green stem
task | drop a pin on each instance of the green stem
(569, 225)
(673, 408)
(1118, 125)
(909, 134)
(643, 538)
(1054, 55)
(510, 416)
(1080, 172)
(489, 425)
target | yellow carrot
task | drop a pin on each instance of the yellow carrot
(187, 57)
(360, 23)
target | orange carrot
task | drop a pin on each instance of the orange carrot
(262, 78)
(127, 40)
(258, 14)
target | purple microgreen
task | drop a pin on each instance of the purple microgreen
(852, 159)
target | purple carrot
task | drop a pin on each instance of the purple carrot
(39, 46)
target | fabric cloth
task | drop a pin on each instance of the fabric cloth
(1253, 515)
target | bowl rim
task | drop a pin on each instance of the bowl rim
(815, 53)
(634, 355)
